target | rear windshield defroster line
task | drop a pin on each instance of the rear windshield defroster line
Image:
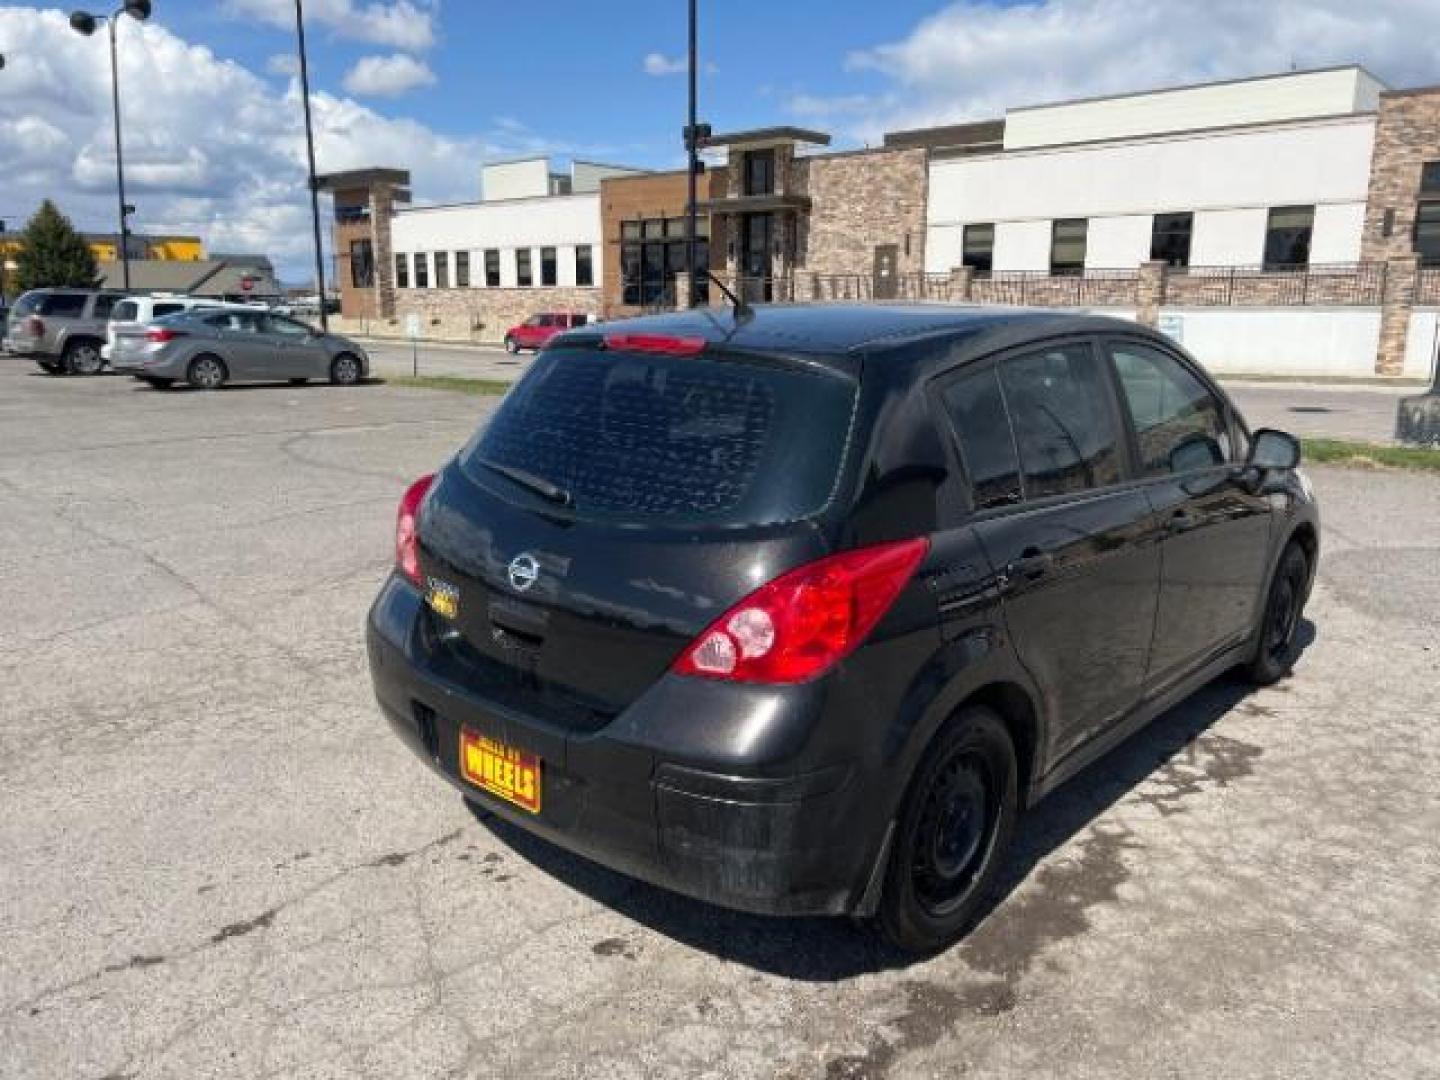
(662, 440)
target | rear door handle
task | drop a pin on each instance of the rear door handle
(1030, 565)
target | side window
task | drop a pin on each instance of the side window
(63, 305)
(977, 411)
(1064, 427)
(1179, 424)
(104, 304)
(125, 311)
(165, 309)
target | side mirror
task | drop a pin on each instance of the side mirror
(1271, 449)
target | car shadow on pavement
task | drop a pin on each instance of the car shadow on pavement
(832, 949)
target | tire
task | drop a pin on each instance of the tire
(83, 358)
(1276, 645)
(511, 346)
(157, 383)
(206, 372)
(955, 825)
(345, 369)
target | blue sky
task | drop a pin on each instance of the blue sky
(213, 136)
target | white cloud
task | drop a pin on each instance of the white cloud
(659, 64)
(217, 149)
(404, 24)
(388, 76)
(287, 64)
(972, 59)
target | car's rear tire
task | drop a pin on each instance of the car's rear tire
(1277, 637)
(206, 372)
(511, 345)
(83, 358)
(345, 369)
(954, 827)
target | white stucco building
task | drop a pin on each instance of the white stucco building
(1272, 170)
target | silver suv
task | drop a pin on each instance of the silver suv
(62, 329)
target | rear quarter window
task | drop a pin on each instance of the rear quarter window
(668, 441)
(63, 305)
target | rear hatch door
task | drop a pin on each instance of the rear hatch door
(614, 506)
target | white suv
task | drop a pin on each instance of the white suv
(129, 318)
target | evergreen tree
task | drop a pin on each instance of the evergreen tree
(53, 253)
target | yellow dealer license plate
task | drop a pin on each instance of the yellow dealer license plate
(511, 774)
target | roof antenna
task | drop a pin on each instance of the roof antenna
(741, 309)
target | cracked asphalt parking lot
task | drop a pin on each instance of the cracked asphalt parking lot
(216, 861)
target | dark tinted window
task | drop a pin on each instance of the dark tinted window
(523, 277)
(1179, 424)
(1430, 178)
(462, 269)
(362, 264)
(978, 413)
(1287, 236)
(584, 268)
(1064, 427)
(547, 266)
(1170, 238)
(492, 268)
(63, 305)
(402, 271)
(161, 310)
(648, 438)
(422, 270)
(125, 311)
(1427, 232)
(104, 304)
(442, 269)
(979, 248)
(760, 172)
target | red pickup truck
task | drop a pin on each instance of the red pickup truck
(538, 329)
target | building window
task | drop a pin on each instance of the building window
(402, 271)
(1430, 179)
(1067, 245)
(442, 269)
(1170, 238)
(978, 249)
(362, 264)
(584, 266)
(1287, 236)
(547, 266)
(1427, 232)
(760, 172)
(422, 270)
(524, 277)
(492, 268)
(652, 252)
(462, 269)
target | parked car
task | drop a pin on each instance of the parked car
(535, 331)
(795, 612)
(62, 329)
(207, 349)
(130, 319)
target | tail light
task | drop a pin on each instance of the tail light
(35, 326)
(407, 536)
(162, 334)
(805, 621)
(658, 344)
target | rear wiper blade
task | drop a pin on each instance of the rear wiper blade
(538, 484)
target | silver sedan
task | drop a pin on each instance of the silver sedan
(207, 349)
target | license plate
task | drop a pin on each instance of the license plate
(510, 774)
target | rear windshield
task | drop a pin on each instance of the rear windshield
(669, 441)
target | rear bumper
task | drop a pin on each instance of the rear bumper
(776, 843)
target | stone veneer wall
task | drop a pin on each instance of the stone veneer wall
(860, 200)
(479, 315)
(1407, 134)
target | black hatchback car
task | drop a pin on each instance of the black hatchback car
(794, 612)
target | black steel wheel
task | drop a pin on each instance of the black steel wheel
(1277, 638)
(954, 827)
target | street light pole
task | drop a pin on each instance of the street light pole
(83, 22)
(693, 143)
(310, 151)
(119, 155)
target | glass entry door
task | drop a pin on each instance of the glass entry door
(757, 236)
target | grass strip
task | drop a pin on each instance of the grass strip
(456, 384)
(1363, 455)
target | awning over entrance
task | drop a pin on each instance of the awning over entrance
(755, 204)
